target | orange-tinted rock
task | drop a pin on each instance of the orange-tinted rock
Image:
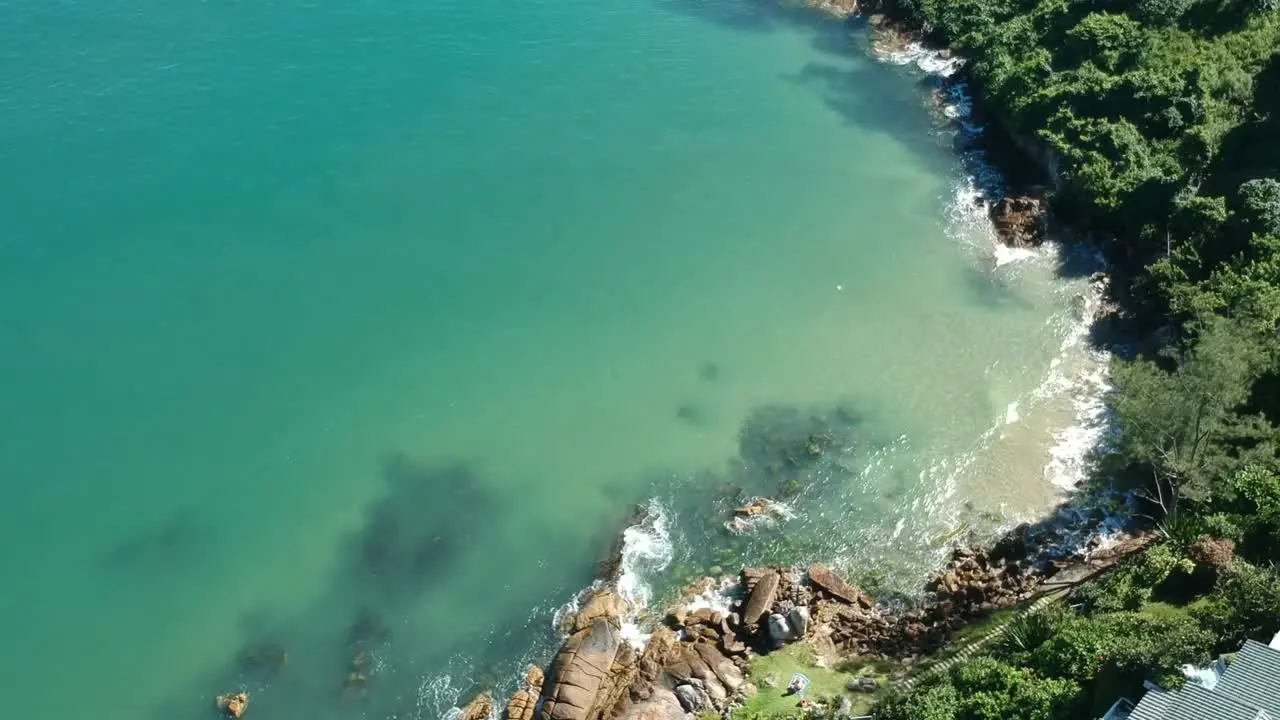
(233, 704)
(603, 604)
(521, 705)
(759, 506)
(481, 708)
(580, 672)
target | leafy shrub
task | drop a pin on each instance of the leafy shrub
(1162, 13)
(1260, 203)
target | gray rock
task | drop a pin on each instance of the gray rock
(863, 685)
(798, 619)
(779, 631)
(693, 699)
(719, 696)
(846, 707)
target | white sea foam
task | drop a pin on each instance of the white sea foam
(716, 594)
(646, 551)
(930, 60)
(1005, 254)
(1011, 415)
(1078, 372)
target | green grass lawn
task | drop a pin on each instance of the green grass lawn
(824, 683)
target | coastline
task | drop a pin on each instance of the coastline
(622, 658)
(634, 652)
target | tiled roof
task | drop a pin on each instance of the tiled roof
(1152, 706)
(1249, 690)
(1193, 702)
(1254, 678)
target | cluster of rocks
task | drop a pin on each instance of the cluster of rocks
(525, 700)
(696, 662)
(596, 674)
(782, 607)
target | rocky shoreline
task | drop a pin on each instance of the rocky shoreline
(697, 660)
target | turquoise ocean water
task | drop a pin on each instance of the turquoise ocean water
(364, 325)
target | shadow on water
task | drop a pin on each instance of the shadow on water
(376, 639)
(757, 16)
(864, 93)
(177, 542)
(385, 637)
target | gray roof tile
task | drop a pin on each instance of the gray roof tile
(1152, 706)
(1254, 678)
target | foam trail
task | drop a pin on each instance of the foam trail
(1077, 372)
(646, 551)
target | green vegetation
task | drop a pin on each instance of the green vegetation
(1162, 121)
(1067, 663)
(827, 686)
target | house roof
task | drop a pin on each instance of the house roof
(1193, 702)
(1254, 678)
(1152, 706)
(1249, 690)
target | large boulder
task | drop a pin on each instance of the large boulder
(521, 705)
(761, 598)
(835, 586)
(1020, 221)
(580, 672)
(604, 604)
(722, 667)
(693, 698)
(780, 631)
(660, 704)
(798, 619)
(481, 708)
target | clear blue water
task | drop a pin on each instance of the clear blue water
(316, 312)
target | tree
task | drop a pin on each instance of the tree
(983, 689)
(1162, 13)
(1175, 422)
(935, 701)
(1260, 203)
(992, 690)
(1262, 7)
(1245, 604)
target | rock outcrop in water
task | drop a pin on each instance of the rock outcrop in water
(525, 700)
(232, 704)
(1020, 221)
(693, 667)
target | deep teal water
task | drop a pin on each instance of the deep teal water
(327, 316)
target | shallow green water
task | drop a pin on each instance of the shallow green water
(315, 313)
